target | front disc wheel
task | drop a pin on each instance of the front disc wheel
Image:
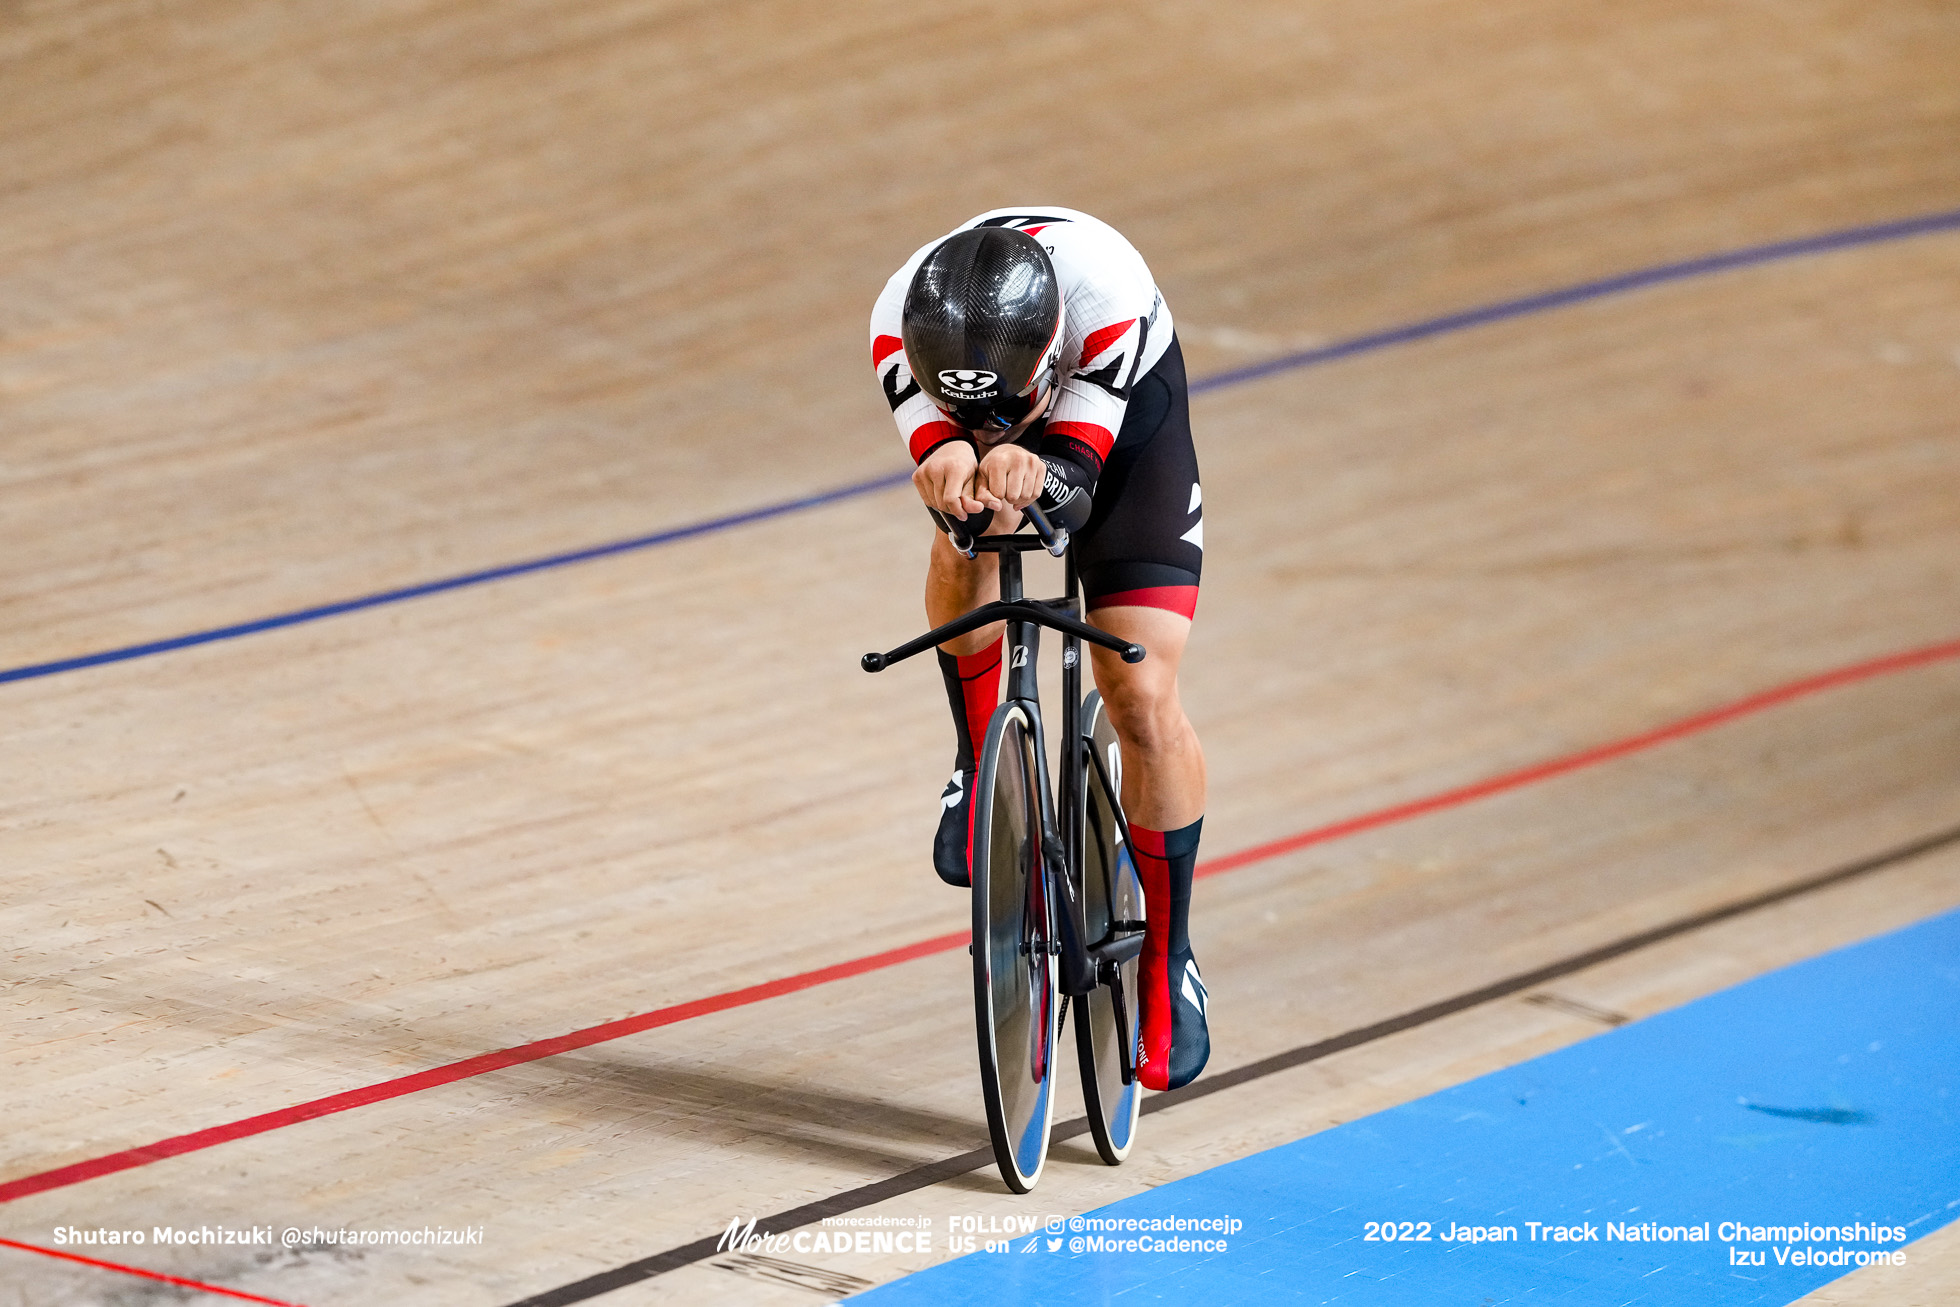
(1014, 991)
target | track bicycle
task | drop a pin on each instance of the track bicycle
(1058, 910)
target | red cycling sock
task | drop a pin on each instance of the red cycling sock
(973, 692)
(1165, 861)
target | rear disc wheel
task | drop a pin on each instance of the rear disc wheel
(1106, 1018)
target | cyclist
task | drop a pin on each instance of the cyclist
(1029, 358)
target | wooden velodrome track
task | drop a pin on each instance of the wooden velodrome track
(305, 302)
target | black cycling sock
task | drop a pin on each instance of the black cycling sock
(1181, 851)
(973, 692)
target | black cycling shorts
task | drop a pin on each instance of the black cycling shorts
(1144, 542)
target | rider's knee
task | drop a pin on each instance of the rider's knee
(1145, 711)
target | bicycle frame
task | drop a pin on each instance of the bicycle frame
(1082, 963)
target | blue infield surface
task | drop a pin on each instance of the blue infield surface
(1746, 1148)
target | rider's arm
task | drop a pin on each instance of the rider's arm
(1027, 472)
(1068, 489)
(946, 481)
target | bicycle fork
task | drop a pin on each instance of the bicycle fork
(1077, 973)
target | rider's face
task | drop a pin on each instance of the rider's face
(987, 437)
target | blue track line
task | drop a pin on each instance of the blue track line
(707, 527)
(1660, 274)
(1848, 238)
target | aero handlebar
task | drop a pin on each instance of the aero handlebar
(1053, 538)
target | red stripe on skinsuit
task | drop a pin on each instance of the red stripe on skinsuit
(1095, 437)
(930, 437)
(1179, 599)
(1099, 341)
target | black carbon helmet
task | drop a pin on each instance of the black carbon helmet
(983, 326)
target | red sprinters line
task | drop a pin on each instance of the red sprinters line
(485, 1062)
(199, 1285)
(475, 1066)
(1572, 762)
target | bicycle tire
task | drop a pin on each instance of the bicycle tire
(1015, 999)
(1111, 892)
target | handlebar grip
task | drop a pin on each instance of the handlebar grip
(1054, 537)
(961, 540)
(872, 662)
(1131, 654)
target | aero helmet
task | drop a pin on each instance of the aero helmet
(983, 326)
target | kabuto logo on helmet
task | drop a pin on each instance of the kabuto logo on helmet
(968, 383)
